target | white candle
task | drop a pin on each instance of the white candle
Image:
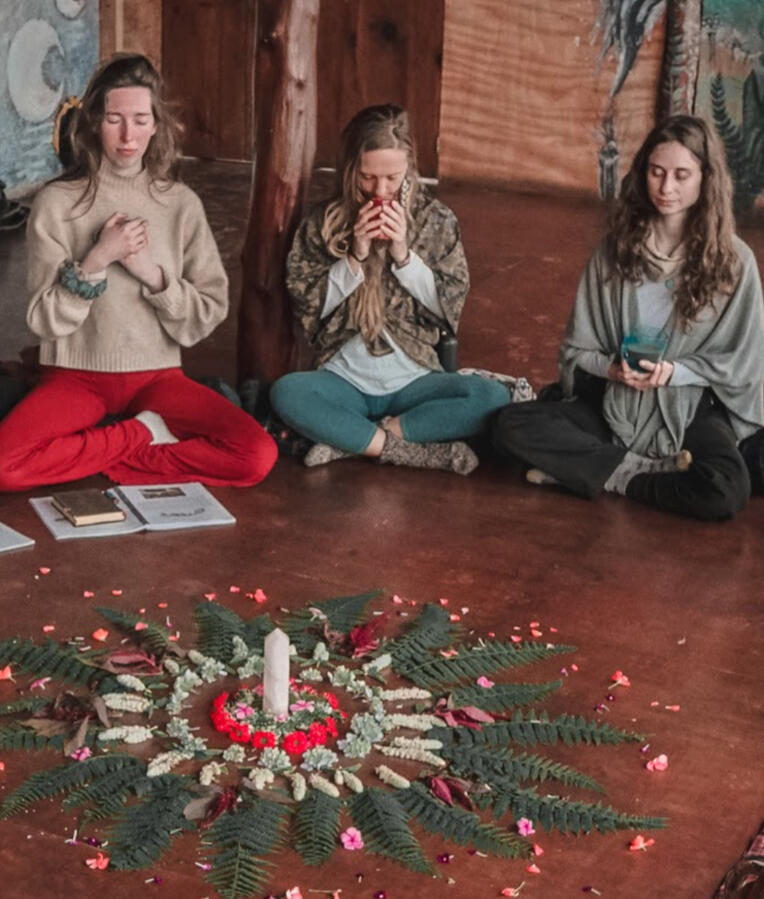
(276, 673)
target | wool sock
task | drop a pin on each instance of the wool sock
(452, 455)
(633, 464)
(322, 453)
(160, 433)
(537, 476)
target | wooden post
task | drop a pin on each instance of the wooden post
(681, 57)
(285, 144)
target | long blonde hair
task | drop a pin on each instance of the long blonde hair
(384, 127)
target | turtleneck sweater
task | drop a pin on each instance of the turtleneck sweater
(127, 328)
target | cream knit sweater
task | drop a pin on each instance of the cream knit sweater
(127, 328)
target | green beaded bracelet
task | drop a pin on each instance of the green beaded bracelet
(69, 280)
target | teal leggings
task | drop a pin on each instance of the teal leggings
(438, 406)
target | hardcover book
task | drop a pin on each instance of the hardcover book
(150, 507)
(89, 506)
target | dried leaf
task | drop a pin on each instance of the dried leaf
(78, 738)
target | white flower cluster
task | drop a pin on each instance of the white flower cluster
(209, 669)
(260, 778)
(210, 773)
(181, 690)
(414, 755)
(311, 674)
(366, 725)
(127, 733)
(392, 778)
(355, 746)
(416, 743)
(171, 666)
(319, 758)
(414, 722)
(234, 753)
(179, 729)
(253, 662)
(299, 786)
(355, 685)
(166, 761)
(376, 666)
(323, 785)
(131, 682)
(343, 776)
(320, 652)
(404, 694)
(275, 759)
(126, 702)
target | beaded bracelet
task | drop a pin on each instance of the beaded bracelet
(357, 258)
(69, 278)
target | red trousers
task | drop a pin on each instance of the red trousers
(53, 434)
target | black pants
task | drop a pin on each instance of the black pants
(571, 441)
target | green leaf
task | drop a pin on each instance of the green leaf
(153, 637)
(217, 626)
(431, 630)
(48, 660)
(459, 825)
(342, 613)
(503, 696)
(63, 778)
(240, 841)
(473, 661)
(315, 827)
(143, 831)
(28, 704)
(382, 821)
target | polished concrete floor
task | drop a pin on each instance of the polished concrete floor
(676, 605)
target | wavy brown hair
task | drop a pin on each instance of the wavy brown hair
(163, 151)
(385, 127)
(711, 265)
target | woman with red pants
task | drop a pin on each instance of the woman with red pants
(123, 271)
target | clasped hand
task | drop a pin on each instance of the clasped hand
(654, 374)
(387, 222)
(126, 241)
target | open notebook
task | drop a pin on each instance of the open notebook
(150, 507)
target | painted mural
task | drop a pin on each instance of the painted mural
(731, 90)
(47, 50)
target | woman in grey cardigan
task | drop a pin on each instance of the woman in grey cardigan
(662, 363)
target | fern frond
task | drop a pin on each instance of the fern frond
(382, 821)
(217, 626)
(486, 764)
(558, 812)
(48, 660)
(342, 614)
(256, 630)
(142, 832)
(63, 778)
(504, 696)
(315, 826)
(120, 782)
(473, 661)
(240, 840)
(459, 825)
(431, 630)
(531, 727)
(28, 704)
(153, 637)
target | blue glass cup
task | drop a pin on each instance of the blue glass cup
(643, 343)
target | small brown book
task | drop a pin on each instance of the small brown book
(89, 506)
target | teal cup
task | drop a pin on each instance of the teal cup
(643, 343)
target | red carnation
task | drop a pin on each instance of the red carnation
(317, 734)
(239, 733)
(295, 743)
(331, 726)
(263, 739)
(331, 699)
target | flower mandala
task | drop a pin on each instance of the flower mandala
(381, 734)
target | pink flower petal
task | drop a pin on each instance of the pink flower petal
(515, 638)
(444, 602)
(234, 589)
(116, 593)
(673, 708)
(260, 596)
(397, 600)
(39, 684)
(536, 633)
(48, 628)
(525, 827)
(162, 605)
(537, 850)
(659, 763)
(100, 634)
(210, 596)
(140, 625)
(454, 617)
(43, 569)
(533, 869)
(483, 681)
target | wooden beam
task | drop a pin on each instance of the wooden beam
(285, 143)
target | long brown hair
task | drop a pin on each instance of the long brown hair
(711, 264)
(384, 127)
(163, 152)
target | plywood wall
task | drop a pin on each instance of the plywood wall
(522, 101)
(132, 25)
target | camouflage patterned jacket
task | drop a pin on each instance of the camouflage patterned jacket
(435, 238)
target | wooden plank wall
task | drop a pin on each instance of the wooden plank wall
(522, 103)
(133, 25)
(379, 51)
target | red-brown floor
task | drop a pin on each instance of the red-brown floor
(675, 604)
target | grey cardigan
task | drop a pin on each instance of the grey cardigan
(725, 346)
